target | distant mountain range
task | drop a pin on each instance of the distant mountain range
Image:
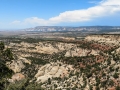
(67, 28)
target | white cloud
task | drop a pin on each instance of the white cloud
(36, 20)
(33, 21)
(104, 8)
(110, 2)
(16, 22)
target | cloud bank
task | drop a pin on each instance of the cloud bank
(103, 8)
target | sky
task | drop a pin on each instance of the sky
(19, 14)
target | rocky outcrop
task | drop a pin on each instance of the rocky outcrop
(52, 70)
(118, 51)
(16, 65)
(50, 48)
(83, 71)
(41, 47)
(24, 60)
(53, 47)
(81, 52)
(110, 39)
(17, 77)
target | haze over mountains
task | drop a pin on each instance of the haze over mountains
(70, 28)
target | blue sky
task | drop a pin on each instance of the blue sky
(18, 14)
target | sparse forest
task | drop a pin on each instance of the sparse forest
(38, 64)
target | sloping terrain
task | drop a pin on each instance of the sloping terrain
(90, 64)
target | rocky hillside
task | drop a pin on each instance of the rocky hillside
(90, 64)
(109, 39)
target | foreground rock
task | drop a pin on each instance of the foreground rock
(52, 70)
(17, 77)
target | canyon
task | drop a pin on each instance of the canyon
(89, 64)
